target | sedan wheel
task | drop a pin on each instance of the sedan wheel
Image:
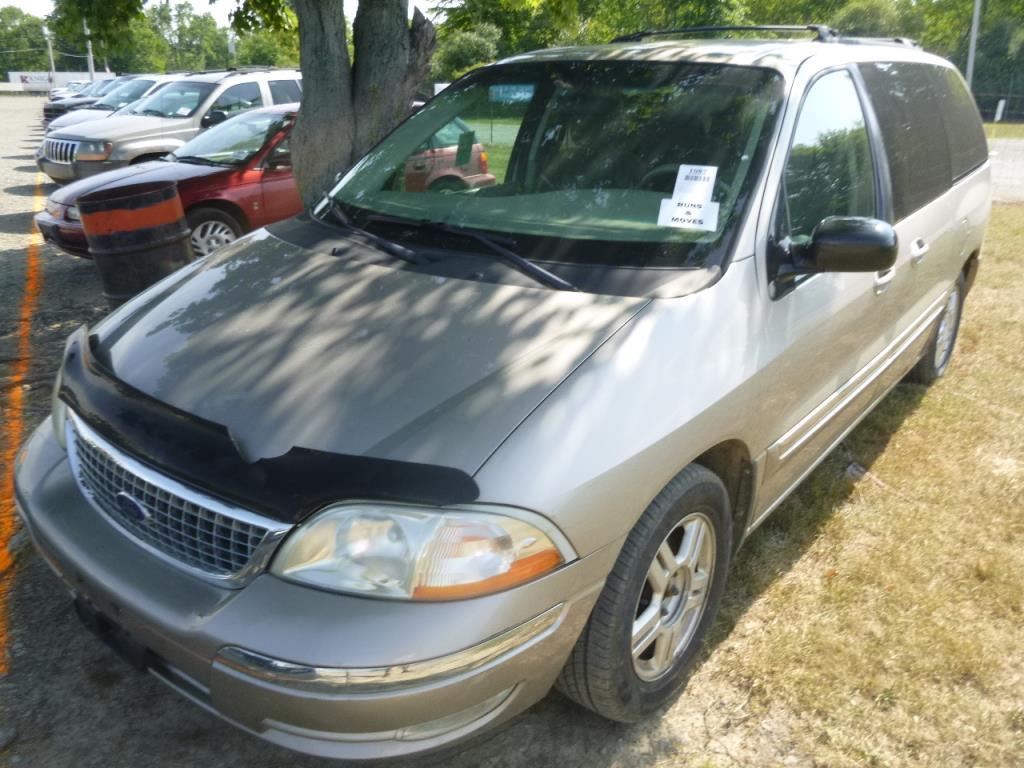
(211, 235)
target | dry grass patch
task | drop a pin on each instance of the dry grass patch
(882, 608)
(1004, 130)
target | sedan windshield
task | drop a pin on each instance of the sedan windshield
(234, 141)
(107, 86)
(179, 99)
(123, 94)
(614, 164)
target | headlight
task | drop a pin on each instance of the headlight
(73, 213)
(419, 553)
(94, 150)
(59, 412)
(55, 209)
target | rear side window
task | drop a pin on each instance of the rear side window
(910, 117)
(965, 133)
(239, 98)
(285, 91)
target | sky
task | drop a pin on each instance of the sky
(219, 9)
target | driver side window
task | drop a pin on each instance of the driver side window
(830, 170)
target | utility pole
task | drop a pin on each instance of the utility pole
(49, 52)
(88, 50)
(973, 46)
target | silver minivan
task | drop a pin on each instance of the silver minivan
(163, 122)
(372, 480)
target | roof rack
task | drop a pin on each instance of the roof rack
(881, 41)
(823, 33)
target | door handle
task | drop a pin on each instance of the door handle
(883, 280)
(918, 250)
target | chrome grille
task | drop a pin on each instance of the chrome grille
(59, 151)
(185, 526)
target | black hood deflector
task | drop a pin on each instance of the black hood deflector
(202, 454)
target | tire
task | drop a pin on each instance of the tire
(601, 673)
(935, 360)
(447, 184)
(211, 228)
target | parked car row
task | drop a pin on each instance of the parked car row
(232, 177)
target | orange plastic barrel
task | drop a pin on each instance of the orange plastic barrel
(137, 235)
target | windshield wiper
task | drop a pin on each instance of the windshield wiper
(196, 160)
(154, 112)
(381, 244)
(506, 255)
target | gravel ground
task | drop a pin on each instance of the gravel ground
(69, 702)
(1007, 169)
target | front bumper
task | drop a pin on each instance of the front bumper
(63, 173)
(66, 235)
(291, 664)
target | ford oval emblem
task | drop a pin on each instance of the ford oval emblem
(132, 508)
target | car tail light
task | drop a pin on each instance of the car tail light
(483, 162)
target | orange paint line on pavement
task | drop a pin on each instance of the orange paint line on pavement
(13, 417)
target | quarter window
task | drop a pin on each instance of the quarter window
(285, 91)
(965, 135)
(829, 171)
(238, 98)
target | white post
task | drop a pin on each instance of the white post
(49, 52)
(88, 50)
(973, 46)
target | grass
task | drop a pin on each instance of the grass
(1004, 130)
(882, 606)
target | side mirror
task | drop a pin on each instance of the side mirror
(845, 244)
(281, 159)
(213, 117)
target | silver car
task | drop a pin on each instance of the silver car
(164, 121)
(372, 480)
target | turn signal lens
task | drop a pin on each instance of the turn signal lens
(419, 553)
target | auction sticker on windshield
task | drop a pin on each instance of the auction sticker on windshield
(690, 206)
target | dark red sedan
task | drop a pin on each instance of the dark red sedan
(233, 178)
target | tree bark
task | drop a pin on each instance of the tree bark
(347, 107)
(323, 139)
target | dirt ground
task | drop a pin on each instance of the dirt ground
(67, 702)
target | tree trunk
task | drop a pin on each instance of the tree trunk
(347, 108)
(324, 136)
(391, 59)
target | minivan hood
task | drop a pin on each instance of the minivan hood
(291, 347)
(115, 128)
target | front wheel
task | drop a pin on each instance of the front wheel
(939, 352)
(211, 228)
(649, 624)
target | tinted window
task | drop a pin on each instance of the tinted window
(285, 91)
(830, 170)
(178, 99)
(239, 98)
(965, 134)
(910, 117)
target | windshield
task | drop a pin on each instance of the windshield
(234, 141)
(621, 164)
(89, 89)
(107, 86)
(123, 94)
(180, 99)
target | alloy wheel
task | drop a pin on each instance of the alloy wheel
(673, 597)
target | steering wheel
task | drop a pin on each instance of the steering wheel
(657, 172)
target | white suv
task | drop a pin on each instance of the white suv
(164, 121)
